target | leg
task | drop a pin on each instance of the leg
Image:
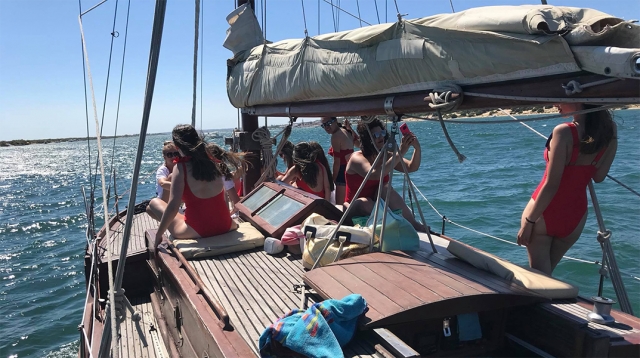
(360, 207)
(539, 247)
(559, 247)
(340, 193)
(156, 208)
(396, 202)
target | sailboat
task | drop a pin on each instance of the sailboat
(418, 301)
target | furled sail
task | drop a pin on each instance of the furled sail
(481, 45)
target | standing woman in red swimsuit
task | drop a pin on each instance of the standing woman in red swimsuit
(198, 182)
(576, 152)
(310, 171)
(342, 142)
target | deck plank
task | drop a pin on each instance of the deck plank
(138, 339)
(257, 288)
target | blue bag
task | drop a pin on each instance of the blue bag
(399, 234)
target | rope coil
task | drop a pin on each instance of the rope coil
(449, 98)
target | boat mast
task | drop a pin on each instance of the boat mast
(247, 143)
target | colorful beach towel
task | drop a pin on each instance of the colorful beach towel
(320, 331)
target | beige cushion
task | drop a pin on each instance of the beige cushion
(529, 278)
(246, 237)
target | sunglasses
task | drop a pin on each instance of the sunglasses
(377, 135)
(172, 154)
(328, 123)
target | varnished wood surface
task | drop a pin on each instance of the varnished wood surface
(256, 288)
(401, 287)
(142, 338)
(141, 223)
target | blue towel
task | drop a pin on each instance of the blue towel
(319, 331)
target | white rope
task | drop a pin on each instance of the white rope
(501, 239)
(114, 331)
(443, 101)
(573, 86)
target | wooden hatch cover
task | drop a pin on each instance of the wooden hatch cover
(404, 287)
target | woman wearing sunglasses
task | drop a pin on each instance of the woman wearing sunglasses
(360, 163)
(198, 182)
(342, 142)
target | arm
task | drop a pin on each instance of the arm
(607, 158)
(165, 182)
(175, 199)
(335, 144)
(560, 148)
(325, 183)
(413, 164)
(291, 175)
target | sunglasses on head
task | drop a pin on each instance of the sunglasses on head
(172, 154)
(328, 123)
(377, 135)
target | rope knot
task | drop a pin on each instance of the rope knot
(572, 87)
(604, 236)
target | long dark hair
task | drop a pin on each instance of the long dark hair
(367, 146)
(305, 155)
(598, 130)
(287, 153)
(187, 139)
(228, 161)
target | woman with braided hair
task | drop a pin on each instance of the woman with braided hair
(310, 170)
(198, 181)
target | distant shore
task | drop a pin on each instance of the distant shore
(525, 110)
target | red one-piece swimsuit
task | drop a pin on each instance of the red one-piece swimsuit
(568, 206)
(208, 217)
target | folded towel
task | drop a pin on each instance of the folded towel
(292, 235)
(320, 331)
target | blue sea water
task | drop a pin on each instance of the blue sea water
(43, 221)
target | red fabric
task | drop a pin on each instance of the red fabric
(370, 188)
(569, 204)
(301, 184)
(208, 217)
(342, 155)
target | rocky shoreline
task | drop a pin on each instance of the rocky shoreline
(527, 110)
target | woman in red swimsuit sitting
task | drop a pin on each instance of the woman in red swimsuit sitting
(360, 163)
(198, 182)
(310, 171)
(576, 152)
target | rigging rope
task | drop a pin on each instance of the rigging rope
(593, 262)
(377, 13)
(345, 11)
(115, 130)
(358, 5)
(304, 17)
(201, 62)
(195, 62)
(444, 101)
(91, 224)
(114, 332)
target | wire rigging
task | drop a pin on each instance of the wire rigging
(342, 10)
(451, 3)
(377, 12)
(195, 62)
(86, 110)
(201, 59)
(359, 16)
(304, 18)
(115, 130)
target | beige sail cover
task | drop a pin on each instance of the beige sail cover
(481, 45)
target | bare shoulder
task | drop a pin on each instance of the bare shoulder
(562, 132)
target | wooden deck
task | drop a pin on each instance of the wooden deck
(257, 288)
(136, 248)
(401, 287)
(142, 338)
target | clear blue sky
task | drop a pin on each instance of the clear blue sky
(41, 80)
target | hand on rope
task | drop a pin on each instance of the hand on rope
(448, 99)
